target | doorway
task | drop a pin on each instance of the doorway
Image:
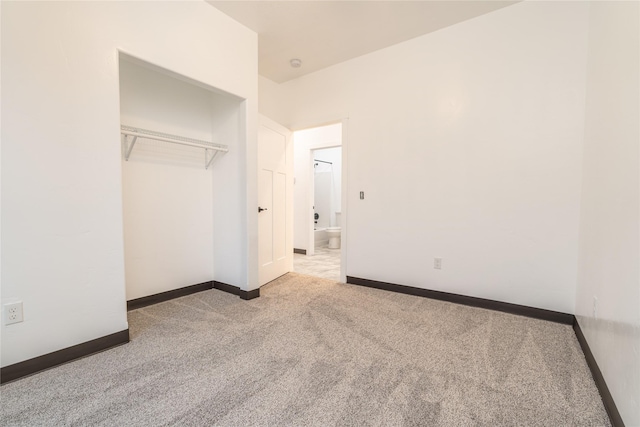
(319, 226)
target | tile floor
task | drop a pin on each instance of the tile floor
(323, 263)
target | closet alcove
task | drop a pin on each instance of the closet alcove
(181, 180)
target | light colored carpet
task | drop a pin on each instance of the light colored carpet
(312, 352)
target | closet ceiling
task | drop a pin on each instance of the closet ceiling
(324, 33)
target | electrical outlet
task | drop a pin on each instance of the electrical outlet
(13, 313)
(595, 307)
(437, 263)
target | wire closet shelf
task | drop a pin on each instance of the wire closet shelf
(131, 134)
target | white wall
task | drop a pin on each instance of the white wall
(229, 180)
(304, 142)
(467, 144)
(269, 100)
(609, 261)
(62, 224)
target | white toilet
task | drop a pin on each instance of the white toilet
(334, 234)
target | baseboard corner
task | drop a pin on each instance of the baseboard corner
(249, 295)
(235, 290)
(598, 378)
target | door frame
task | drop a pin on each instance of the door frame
(344, 196)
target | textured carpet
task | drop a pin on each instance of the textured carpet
(312, 352)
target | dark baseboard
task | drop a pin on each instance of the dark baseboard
(168, 295)
(246, 295)
(188, 290)
(605, 394)
(299, 251)
(226, 288)
(69, 354)
(521, 310)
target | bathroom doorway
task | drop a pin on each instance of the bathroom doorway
(327, 193)
(318, 202)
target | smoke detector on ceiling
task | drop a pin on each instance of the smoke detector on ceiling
(295, 63)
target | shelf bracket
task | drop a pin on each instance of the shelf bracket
(207, 160)
(128, 146)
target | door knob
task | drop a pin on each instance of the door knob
(261, 209)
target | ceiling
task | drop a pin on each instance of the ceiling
(324, 33)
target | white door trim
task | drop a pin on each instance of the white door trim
(344, 216)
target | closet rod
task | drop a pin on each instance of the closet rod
(136, 133)
(323, 161)
(196, 143)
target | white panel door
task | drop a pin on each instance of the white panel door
(275, 201)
